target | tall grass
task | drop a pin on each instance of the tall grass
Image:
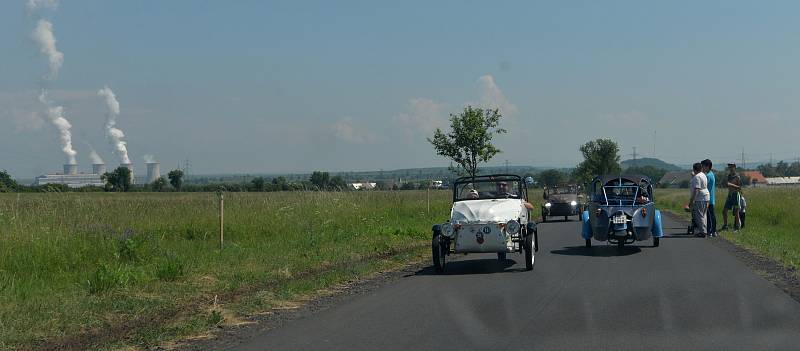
(773, 220)
(77, 261)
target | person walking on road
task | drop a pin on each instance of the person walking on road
(712, 190)
(699, 199)
(734, 201)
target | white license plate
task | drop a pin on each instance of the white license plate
(619, 220)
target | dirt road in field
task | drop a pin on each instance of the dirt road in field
(690, 294)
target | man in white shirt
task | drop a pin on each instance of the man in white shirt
(699, 199)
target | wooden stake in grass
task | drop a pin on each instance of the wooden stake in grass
(221, 219)
(428, 196)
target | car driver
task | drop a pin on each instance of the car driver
(502, 190)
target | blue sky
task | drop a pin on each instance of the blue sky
(263, 86)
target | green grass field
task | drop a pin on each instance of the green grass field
(143, 268)
(773, 220)
(77, 262)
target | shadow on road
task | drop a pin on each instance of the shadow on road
(681, 236)
(598, 251)
(478, 266)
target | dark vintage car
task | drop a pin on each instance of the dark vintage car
(564, 200)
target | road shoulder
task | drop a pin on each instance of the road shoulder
(785, 278)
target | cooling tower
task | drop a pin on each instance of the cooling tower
(153, 171)
(70, 169)
(99, 168)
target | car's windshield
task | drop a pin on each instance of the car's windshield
(622, 191)
(562, 190)
(488, 189)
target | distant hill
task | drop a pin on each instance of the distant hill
(641, 162)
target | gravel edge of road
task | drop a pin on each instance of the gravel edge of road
(231, 336)
(783, 277)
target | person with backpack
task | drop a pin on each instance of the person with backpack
(733, 202)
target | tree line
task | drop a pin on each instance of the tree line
(119, 180)
(781, 169)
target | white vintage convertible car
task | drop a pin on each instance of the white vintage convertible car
(490, 214)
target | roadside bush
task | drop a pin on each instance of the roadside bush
(128, 250)
(170, 269)
(106, 278)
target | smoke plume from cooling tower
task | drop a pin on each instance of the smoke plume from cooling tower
(149, 158)
(43, 36)
(56, 116)
(112, 132)
(33, 5)
(96, 159)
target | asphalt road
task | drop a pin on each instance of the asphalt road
(687, 294)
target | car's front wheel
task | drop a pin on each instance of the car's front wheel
(438, 250)
(528, 248)
(501, 256)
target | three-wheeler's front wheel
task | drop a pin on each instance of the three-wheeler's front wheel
(588, 242)
(655, 241)
(438, 252)
(528, 248)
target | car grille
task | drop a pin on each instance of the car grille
(560, 208)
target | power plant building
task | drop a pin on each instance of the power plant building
(72, 178)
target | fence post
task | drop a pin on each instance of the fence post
(221, 195)
(428, 196)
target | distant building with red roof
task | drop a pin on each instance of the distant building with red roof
(756, 178)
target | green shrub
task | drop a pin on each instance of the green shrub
(215, 317)
(128, 250)
(106, 278)
(170, 269)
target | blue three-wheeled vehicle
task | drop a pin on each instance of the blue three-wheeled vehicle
(621, 210)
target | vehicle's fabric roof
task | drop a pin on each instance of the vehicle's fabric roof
(635, 177)
(488, 177)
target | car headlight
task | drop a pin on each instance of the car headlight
(573, 203)
(547, 205)
(448, 230)
(512, 227)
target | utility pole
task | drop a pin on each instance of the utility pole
(743, 165)
(186, 168)
(654, 144)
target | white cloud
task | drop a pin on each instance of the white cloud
(346, 130)
(33, 5)
(493, 97)
(423, 116)
(22, 110)
(23, 120)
